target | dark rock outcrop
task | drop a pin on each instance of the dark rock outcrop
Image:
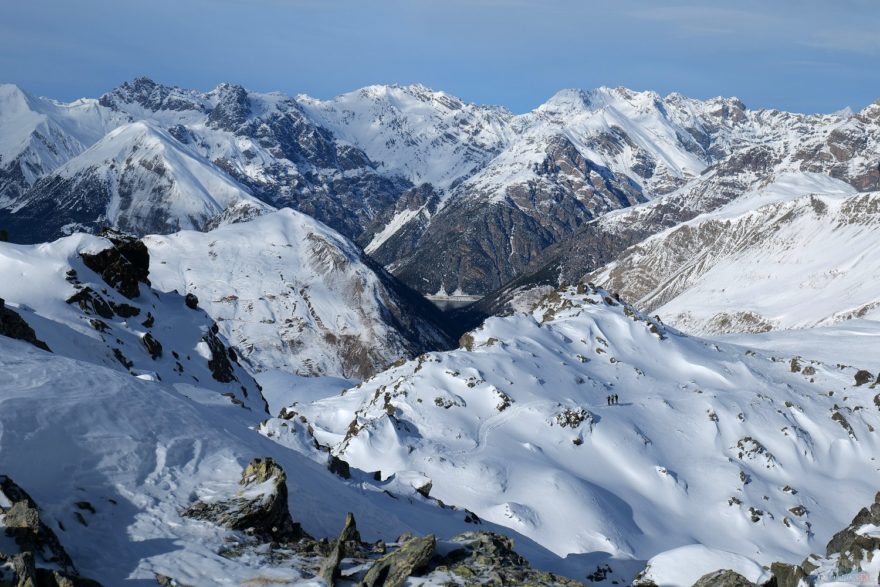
(852, 546)
(785, 575)
(91, 302)
(219, 364)
(40, 560)
(153, 346)
(191, 301)
(486, 558)
(123, 266)
(862, 377)
(14, 326)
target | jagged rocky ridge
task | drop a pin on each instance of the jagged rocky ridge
(259, 510)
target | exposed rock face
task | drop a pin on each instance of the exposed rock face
(853, 546)
(219, 363)
(14, 326)
(259, 508)
(40, 559)
(122, 266)
(348, 544)
(787, 575)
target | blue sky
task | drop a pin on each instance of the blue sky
(801, 55)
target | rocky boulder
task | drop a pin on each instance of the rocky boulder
(393, 569)
(259, 508)
(725, 578)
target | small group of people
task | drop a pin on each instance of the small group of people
(612, 399)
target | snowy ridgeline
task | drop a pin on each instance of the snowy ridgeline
(741, 452)
(793, 254)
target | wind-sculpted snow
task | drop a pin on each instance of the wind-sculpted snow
(710, 444)
(292, 294)
(793, 254)
(113, 462)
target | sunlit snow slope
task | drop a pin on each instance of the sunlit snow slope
(292, 294)
(709, 444)
(796, 253)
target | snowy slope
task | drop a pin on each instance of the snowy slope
(137, 178)
(80, 315)
(424, 135)
(710, 444)
(293, 294)
(793, 254)
(139, 452)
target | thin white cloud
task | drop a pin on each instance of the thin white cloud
(706, 20)
(865, 42)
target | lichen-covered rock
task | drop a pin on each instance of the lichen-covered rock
(14, 326)
(725, 578)
(348, 544)
(787, 575)
(393, 569)
(489, 558)
(852, 546)
(259, 508)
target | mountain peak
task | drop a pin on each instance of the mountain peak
(152, 96)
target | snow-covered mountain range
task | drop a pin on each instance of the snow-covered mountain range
(221, 344)
(451, 197)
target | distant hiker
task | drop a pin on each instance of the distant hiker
(608, 399)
